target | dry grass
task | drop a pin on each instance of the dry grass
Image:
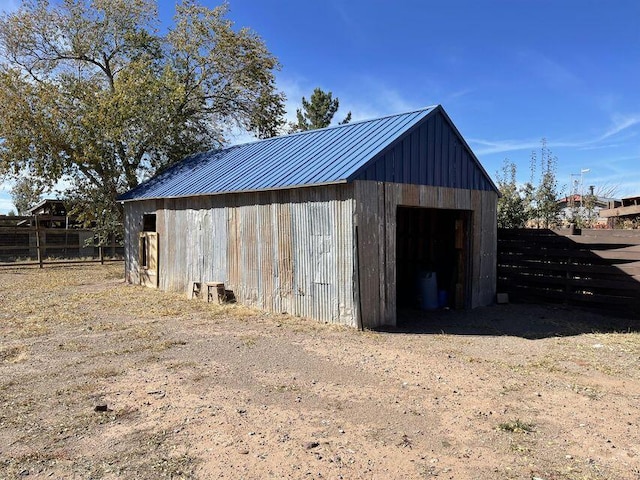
(201, 390)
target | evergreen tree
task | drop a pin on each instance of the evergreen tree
(317, 112)
(511, 207)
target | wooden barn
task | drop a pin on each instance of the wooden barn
(355, 224)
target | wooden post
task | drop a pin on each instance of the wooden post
(101, 253)
(38, 249)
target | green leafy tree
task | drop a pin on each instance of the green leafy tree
(511, 206)
(25, 194)
(317, 112)
(91, 92)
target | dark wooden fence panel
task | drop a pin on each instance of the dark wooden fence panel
(37, 241)
(594, 268)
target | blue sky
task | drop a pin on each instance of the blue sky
(508, 73)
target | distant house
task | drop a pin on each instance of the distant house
(628, 209)
(49, 206)
(53, 213)
(576, 205)
(351, 224)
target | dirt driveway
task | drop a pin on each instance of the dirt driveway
(195, 390)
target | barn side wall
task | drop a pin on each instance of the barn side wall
(376, 212)
(281, 251)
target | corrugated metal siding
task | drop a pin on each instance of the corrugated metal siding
(431, 153)
(282, 251)
(322, 156)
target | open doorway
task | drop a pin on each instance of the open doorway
(432, 259)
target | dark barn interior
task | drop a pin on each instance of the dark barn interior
(431, 258)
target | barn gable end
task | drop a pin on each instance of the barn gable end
(431, 153)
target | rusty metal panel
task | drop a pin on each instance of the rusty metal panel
(287, 251)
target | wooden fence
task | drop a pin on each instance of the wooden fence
(592, 268)
(45, 240)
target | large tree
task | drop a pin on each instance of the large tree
(92, 93)
(317, 112)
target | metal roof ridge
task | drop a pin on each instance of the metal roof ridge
(344, 125)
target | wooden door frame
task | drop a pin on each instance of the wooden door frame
(148, 265)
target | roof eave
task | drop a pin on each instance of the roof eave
(230, 192)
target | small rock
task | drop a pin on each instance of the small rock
(101, 407)
(243, 451)
(310, 445)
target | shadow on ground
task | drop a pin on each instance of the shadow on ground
(531, 321)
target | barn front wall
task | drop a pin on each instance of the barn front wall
(282, 251)
(376, 210)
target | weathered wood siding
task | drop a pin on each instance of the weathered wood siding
(282, 251)
(134, 213)
(376, 214)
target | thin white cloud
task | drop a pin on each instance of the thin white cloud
(488, 147)
(550, 72)
(619, 124)
(460, 93)
(374, 99)
(342, 13)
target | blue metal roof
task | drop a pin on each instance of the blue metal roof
(323, 156)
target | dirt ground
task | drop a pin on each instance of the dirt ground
(197, 390)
